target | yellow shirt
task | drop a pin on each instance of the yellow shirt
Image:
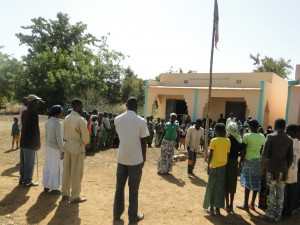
(221, 148)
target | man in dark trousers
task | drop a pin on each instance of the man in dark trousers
(277, 157)
(132, 130)
(30, 140)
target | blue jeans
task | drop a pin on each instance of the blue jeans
(27, 158)
(134, 174)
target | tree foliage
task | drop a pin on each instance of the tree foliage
(65, 60)
(10, 68)
(132, 86)
(281, 67)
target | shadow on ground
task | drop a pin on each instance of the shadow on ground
(170, 178)
(47, 201)
(198, 181)
(9, 172)
(66, 214)
(13, 200)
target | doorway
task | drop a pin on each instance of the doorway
(237, 108)
(175, 106)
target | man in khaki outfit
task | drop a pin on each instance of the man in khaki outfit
(76, 137)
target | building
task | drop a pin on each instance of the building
(264, 96)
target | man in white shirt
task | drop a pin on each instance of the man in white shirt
(192, 140)
(132, 130)
(230, 119)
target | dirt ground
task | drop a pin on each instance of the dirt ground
(172, 199)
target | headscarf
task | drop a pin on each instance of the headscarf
(233, 130)
(173, 114)
(55, 110)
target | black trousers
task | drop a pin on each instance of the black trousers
(134, 175)
(290, 200)
(191, 161)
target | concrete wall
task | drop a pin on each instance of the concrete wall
(237, 80)
(275, 95)
(219, 98)
(294, 105)
(229, 87)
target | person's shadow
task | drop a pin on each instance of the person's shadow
(66, 214)
(15, 199)
(8, 172)
(170, 178)
(11, 150)
(198, 181)
(45, 203)
(231, 218)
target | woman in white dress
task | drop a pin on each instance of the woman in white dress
(54, 151)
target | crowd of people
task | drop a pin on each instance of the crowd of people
(267, 162)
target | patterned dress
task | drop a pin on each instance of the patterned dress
(164, 163)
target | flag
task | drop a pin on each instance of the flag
(216, 23)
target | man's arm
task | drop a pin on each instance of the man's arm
(85, 136)
(265, 155)
(211, 153)
(144, 147)
(290, 155)
(35, 130)
(162, 137)
(187, 139)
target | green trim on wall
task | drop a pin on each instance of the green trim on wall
(195, 105)
(146, 98)
(261, 101)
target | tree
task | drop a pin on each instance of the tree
(10, 68)
(132, 86)
(62, 63)
(281, 67)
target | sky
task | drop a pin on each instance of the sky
(160, 34)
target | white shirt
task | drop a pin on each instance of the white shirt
(106, 122)
(293, 170)
(229, 120)
(192, 138)
(130, 128)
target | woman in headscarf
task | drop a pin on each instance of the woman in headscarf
(250, 164)
(167, 143)
(54, 151)
(232, 164)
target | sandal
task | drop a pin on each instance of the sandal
(218, 212)
(56, 192)
(31, 184)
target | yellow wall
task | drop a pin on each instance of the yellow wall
(248, 80)
(294, 107)
(275, 94)
(226, 88)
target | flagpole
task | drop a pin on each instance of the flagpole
(210, 85)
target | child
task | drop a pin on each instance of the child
(290, 202)
(182, 137)
(211, 132)
(15, 133)
(216, 169)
